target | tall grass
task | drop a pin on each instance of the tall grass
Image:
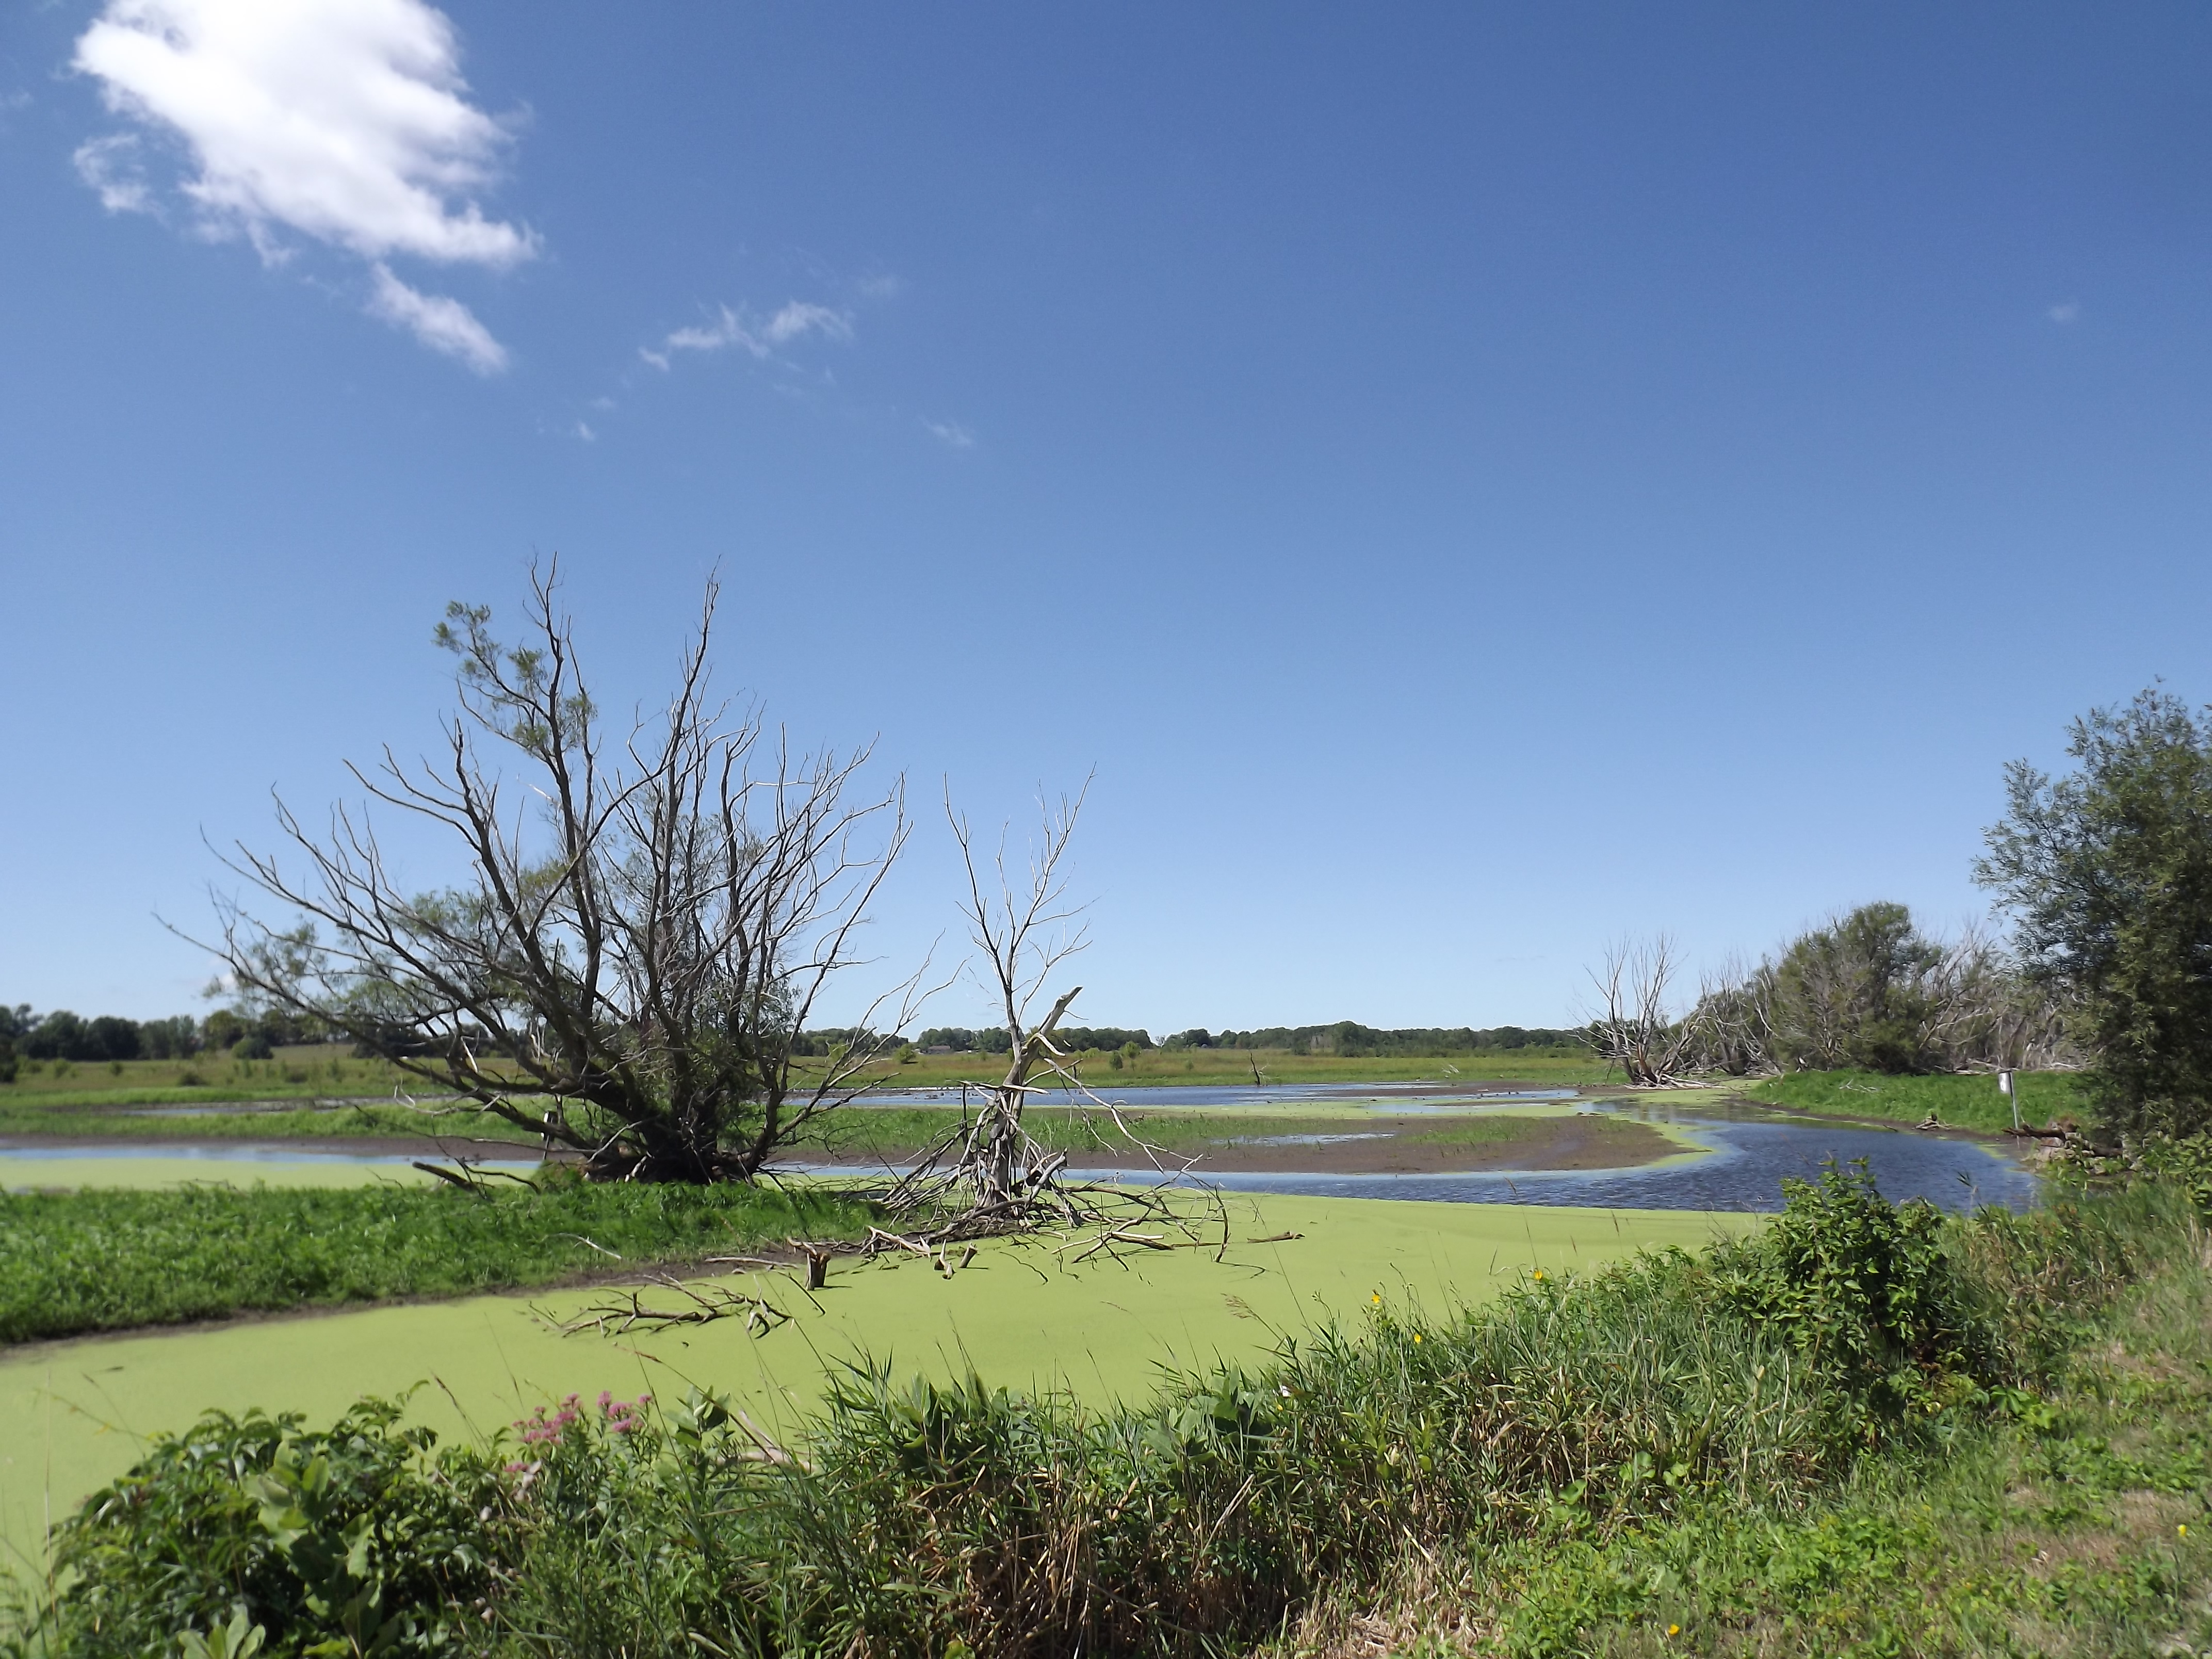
(1969, 1102)
(106, 1260)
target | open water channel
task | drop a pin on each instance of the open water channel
(1734, 1156)
(1737, 1156)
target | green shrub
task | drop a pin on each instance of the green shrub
(352, 1541)
(1863, 1288)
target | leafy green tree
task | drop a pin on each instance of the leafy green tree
(15, 1025)
(1859, 992)
(59, 1036)
(175, 1038)
(2110, 871)
(111, 1037)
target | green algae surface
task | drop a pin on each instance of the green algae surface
(73, 1414)
(19, 1174)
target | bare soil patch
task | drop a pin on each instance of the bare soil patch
(1378, 1145)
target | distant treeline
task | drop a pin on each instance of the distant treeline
(1348, 1037)
(1074, 1039)
(1344, 1037)
(62, 1035)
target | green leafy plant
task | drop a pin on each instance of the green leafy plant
(251, 1533)
(1865, 1289)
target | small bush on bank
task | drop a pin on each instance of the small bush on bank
(349, 1541)
(1867, 1290)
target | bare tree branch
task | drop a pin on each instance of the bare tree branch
(638, 945)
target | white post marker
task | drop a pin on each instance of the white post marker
(2005, 1088)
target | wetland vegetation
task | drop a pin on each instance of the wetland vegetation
(1860, 1429)
(1969, 1101)
(105, 1260)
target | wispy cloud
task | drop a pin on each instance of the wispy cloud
(2066, 312)
(114, 169)
(345, 122)
(439, 323)
(734, 330)
(953, 432)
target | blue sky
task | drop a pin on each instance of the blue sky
(1474, 481)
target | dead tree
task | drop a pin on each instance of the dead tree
(1020, 938)
(1988, 1016)
(1631, 1027)
(1731, 1026)
(990, 1175)
(641, 937)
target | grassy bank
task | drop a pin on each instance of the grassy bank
(1964, 1103)
(305, 1123)
(111, 1260)
(2069, 1515)
(1713, 1452)
(289, 1073)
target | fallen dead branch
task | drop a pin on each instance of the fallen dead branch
(628, 1311)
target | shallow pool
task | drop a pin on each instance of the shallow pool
(1737, 1163)
(1735, 1157)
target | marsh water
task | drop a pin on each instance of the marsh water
(1742, 1168)
(1397, 1097)
(1735, 1157)
(1737, 1160)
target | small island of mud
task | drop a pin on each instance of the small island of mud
(1287, 1145)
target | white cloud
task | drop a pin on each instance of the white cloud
(439, 323)
(952, 433)
(2066, 312)
(797, 320)
(111, 167)
(346, 122)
